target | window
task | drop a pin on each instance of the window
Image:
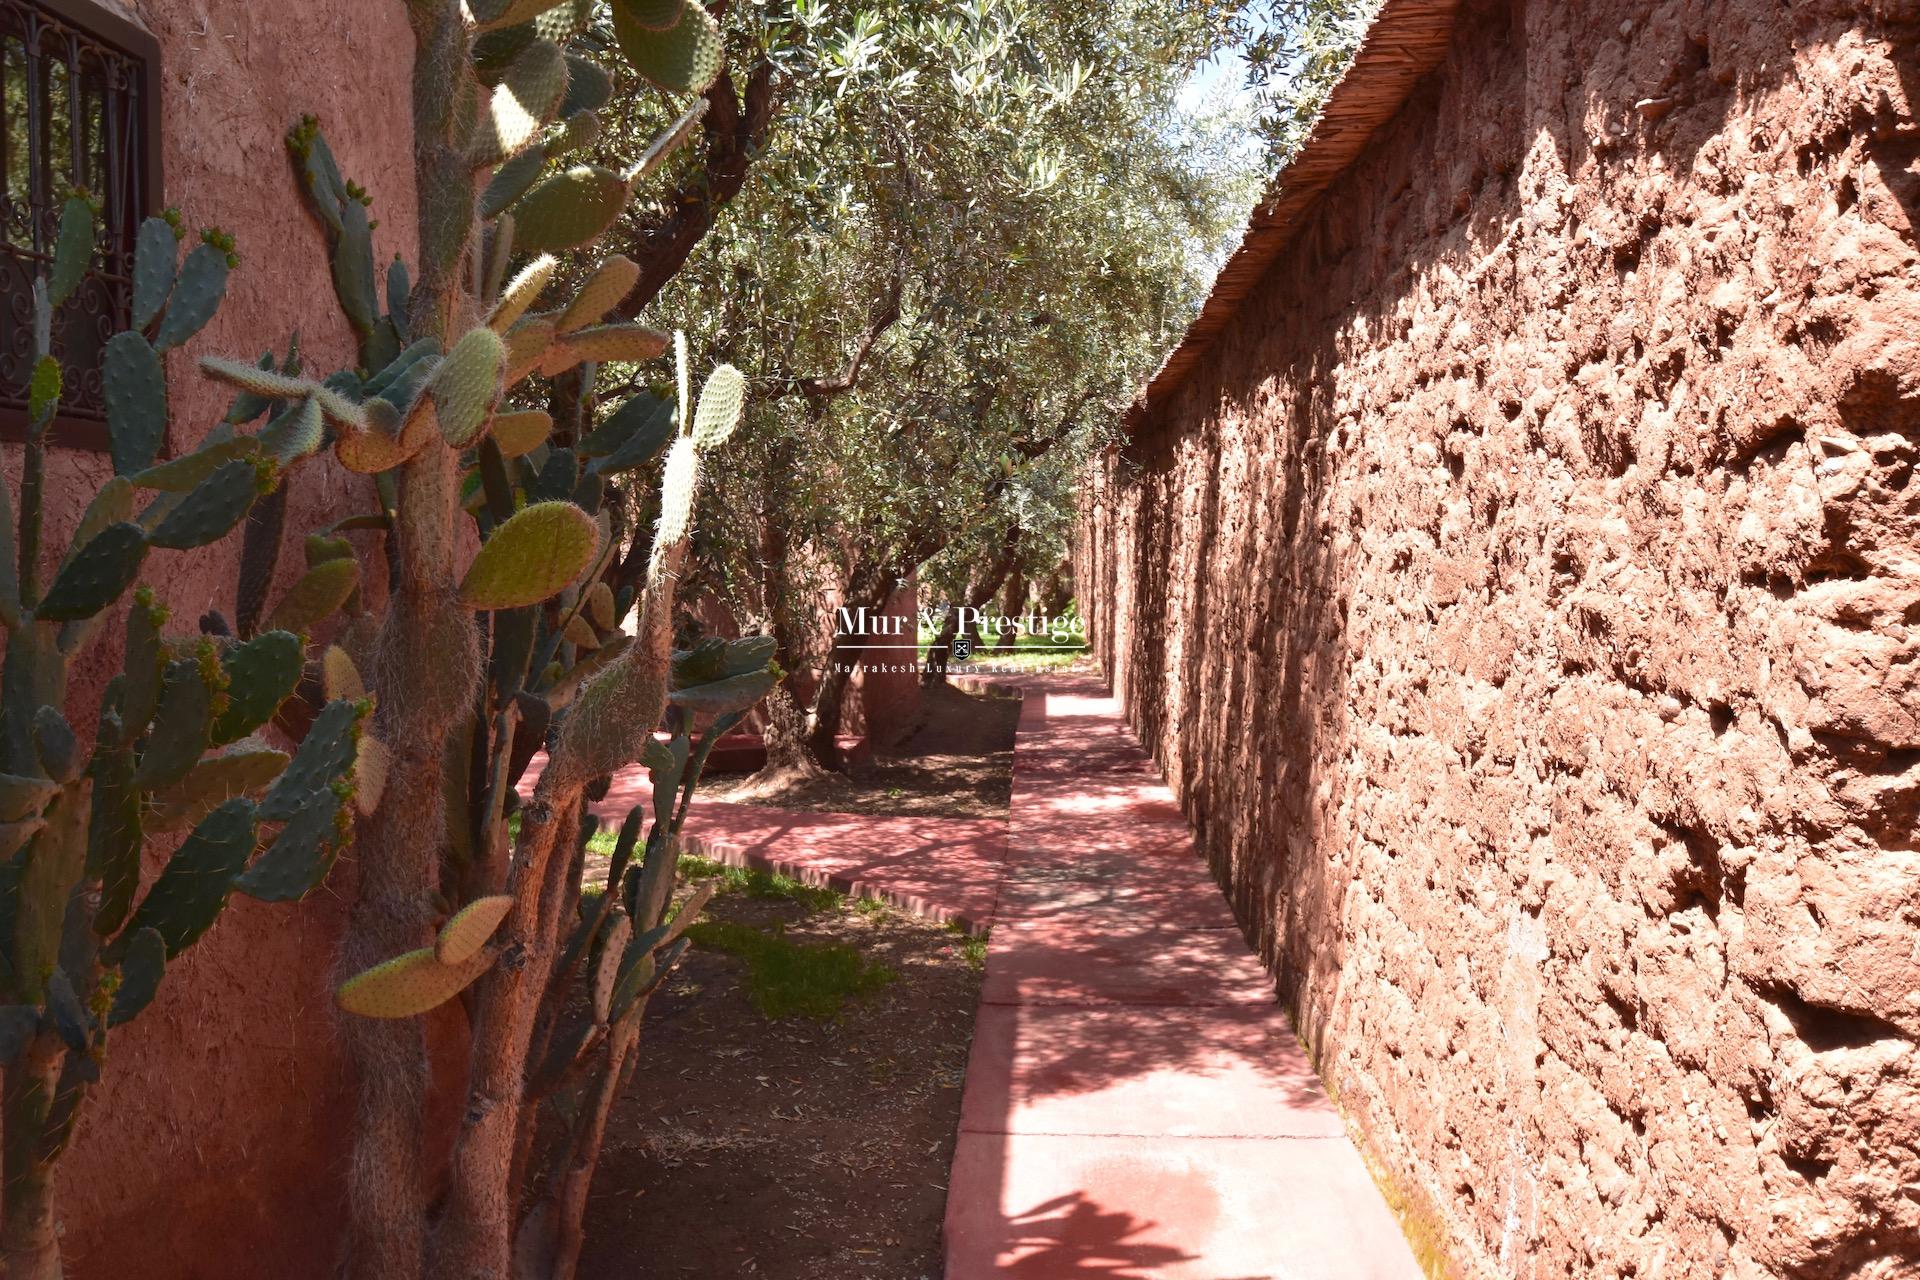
(78, 96)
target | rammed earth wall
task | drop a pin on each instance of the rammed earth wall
(1523, 597)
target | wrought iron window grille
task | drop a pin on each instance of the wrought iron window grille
(79, 98)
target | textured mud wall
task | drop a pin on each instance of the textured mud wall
(214, 1146)
(1524, 600)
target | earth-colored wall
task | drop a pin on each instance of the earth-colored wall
(213, 1147)
(1524, 600)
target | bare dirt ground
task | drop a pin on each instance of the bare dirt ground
(796, 1147)
(790, 1148)
(957, 762)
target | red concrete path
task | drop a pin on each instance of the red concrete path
(1137, 1107)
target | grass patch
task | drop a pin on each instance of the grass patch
(760, 884)
(973, 947)
(793, 979)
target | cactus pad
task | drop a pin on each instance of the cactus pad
(214, 781)
(194, 886)
(625, 343)
(683, 58)
(599, 606)
(301, 855)
(216, 505)
(339, 678)
(371, 762)
(134, 387)
(467, 385)
(462, 937)
(261, 674)
(722, 697)
(530, 557)
(720, 402)
(606, 967)
(72, 250)
(521, 433)
(197, 292)
(96, 575)
(294, 433)
(677, 485)
(141, 969)
(252, 378)
(23, 798)
(409, 984)
(521, 292)
(156, 251)
(570, 208)
(654, 15)
(632, 436)
(589, 87)
(318, 593)
(524, 100)
(609, 283)
(511, 180)
(526, 343)
(182, 725)
(325, 756)
(183, 473)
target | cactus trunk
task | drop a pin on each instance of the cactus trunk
(29, 1235)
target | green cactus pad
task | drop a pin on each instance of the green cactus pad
(522, 103)
(467, 385)
(654, 15)
(684, 58)
(243, 771)
(134, 387)
(721, 400)
(580, 131)
(603, 343)
(112, 504)
(565, 20)
(181, 727)
(721, 697)
(409, 984)
(23, 798)
(140, 972)
(216, 505)
(510, 181)
(589, 87)
(183, 473)
(97, 574)
(609, 283)
(532, 556)
(156, 254)
(489, 15)
(521, 292)
(462, 937)
(188, 896)
(301, 855)
(569, 209)
(325, 757)
(261, 674)
(197, 292)
(43, 389)
(521, 433)
(527, 341)
(295, 432)
(141, 692)
(115, 831)
(318, 593)
(53, 741)
(351, 263)
(632, 435)
(72, 250)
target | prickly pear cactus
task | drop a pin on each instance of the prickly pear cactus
(174, 753)
(555, 636)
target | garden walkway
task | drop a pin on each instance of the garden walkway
(1136, 1104)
